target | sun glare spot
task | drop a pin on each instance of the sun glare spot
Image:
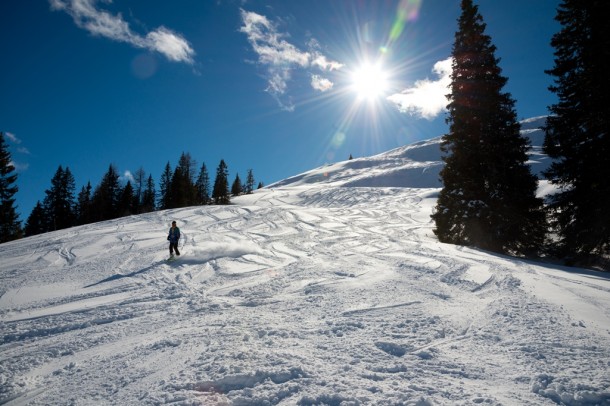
(369, 81)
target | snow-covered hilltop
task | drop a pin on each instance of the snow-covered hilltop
(327, 288)
(415, 165)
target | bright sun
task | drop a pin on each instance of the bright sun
(369, 81)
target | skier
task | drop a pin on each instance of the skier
(173, 237)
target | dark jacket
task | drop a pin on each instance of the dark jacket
(174, 235)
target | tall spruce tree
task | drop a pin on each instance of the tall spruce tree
(36, 223)
(138, 192)
(577, 131)
(59, 204)
(106, 196)
(84, 213)
(249, 187)
(127, 203)
(10, 225)
(202, 186)
(236, 187)
(149, 196)
(182, 185)
(220, 194)
(165, 186)
(488, 199)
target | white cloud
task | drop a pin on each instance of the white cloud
(427, 98)
(12, 137)
(324, 64)
(19, 167)
(281, 57)
(127, 176)
(320, 83)
(98, 22)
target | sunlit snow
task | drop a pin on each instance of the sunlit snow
(327, 288)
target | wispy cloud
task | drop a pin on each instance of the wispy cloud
(281, 57)
(427, 98)
(12, 137)
(19, 167)
(86, 16)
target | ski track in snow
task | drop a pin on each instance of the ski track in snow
(304, 295)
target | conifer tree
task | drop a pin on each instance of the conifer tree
(126, 204)
(249, 182)
(59, 202)
(106, 196)
(165, 197)
(149, 196)
(35, 224)
(220, 193)
(577, 132)
(202, 186)
(84, 205)
(182, 185)
(10, 225)
(260, 185)
(488, 198)
(236, 188)
(138, 190)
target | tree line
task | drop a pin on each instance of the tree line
(62, 207)
(488, 198)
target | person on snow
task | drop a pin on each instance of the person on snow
(173, 237)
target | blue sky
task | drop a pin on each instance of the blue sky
(279, 87)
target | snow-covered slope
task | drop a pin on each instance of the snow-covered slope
(414, 166)
(309, 292)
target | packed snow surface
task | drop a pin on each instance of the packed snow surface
(328, 288)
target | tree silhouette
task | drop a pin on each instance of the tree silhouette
(84, 205)
(577, 132)
(59, 201)
(202, 186)
(106, 196)
(488, 198)
(36, 223)
(10, 226)
(220, 194)
(165, 197)
(149, 196)
(249, 187)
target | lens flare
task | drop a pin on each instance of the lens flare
(408, 10)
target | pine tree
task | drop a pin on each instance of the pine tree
(249, 182)
(260, 185)
(220, 193)
(10, 226)
(59, 201)
(165, 197)
(106, 196)
(84, 205)
(236, 188)
(149, 196)
(577, 132)
(138, 192)
(182, 185)
(488, 198)
(126, 204)
(35, 224)
(202, 186)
